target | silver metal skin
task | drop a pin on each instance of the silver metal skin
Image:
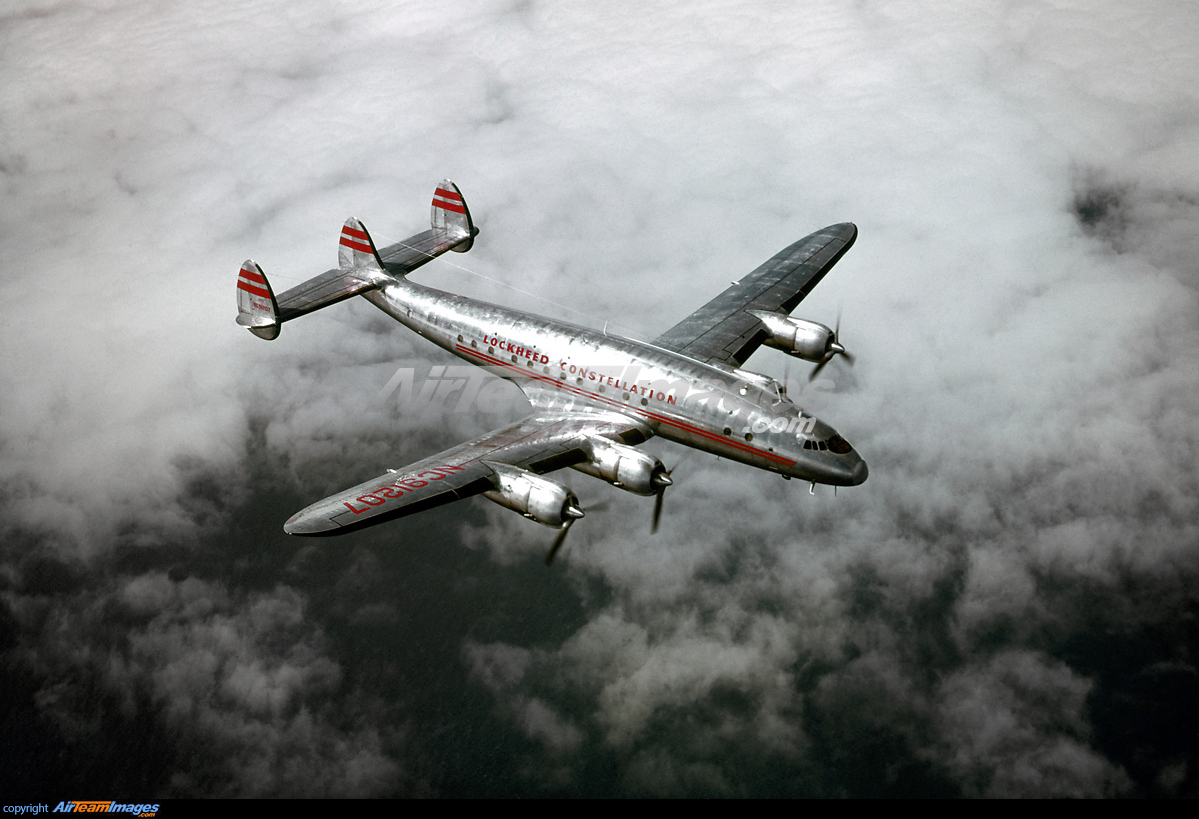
(679, 399)
(624, 467)
(536, 498)
(595, 395)
(809, 340)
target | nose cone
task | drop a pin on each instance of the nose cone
(858, 476)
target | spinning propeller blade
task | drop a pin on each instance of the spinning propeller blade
(834, 349)
(661, 481)
(573, 512)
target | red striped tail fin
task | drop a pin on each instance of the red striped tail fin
(256, 305)
(356, 249)
(450, 214)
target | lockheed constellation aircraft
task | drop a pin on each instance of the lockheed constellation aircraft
(595, 396)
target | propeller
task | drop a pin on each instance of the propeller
(573, 512)
(660, 481)
(834, 349)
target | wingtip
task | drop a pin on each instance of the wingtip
(303, 524)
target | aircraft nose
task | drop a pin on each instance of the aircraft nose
(858, 476)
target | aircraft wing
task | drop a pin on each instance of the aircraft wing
(541, 442)
(724, 332)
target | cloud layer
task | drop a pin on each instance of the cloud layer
(1005, 608)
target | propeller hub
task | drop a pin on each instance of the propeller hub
(573, 511)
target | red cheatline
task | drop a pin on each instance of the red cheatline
(252, 276)
(437, 203)
(249, 288)
(350, 243)
(357, 234)
(665, 419)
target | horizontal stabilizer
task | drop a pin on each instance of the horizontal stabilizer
(360, 266)
(328, 288)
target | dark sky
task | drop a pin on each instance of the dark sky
(1006, 608)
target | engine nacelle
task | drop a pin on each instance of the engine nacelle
(622, 466)
(809, 340)
(537, 498)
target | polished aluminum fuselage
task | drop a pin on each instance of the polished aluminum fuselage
(682, 400)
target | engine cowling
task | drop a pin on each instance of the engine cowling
(624, 467)
(535, 497)
(809, 340)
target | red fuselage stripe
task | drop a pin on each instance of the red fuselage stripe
(664, 419)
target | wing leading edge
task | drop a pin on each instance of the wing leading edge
(540, 443)
(723, 331)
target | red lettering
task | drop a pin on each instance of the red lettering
(371, 500)
(413, 483)
(437, 476)
(391, 491)
(353, 509)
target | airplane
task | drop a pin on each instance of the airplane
(595, 396)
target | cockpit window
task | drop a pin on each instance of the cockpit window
(835, 444)
(839, 445)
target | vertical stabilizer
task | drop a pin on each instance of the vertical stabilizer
(256, 305)
(450, 214)
(356, 250)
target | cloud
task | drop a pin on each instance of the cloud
(988, 615)
(241, 686)
(1017, 727)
